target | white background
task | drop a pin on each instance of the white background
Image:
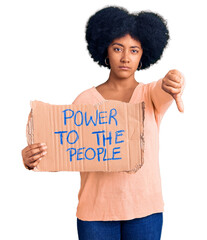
(43, 56)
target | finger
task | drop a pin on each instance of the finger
(33, 146)
(172, 83)
(179, 103)
(171, 90)
(174, 77)
(175, 72)
(27, 167)
(183, 82)
(35, 151)
(34, 164)
(36, 157)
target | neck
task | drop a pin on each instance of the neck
(121, 83)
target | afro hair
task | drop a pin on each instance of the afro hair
(114, 22)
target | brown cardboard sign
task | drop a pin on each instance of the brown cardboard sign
(108, 136)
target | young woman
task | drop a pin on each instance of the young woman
(124, 206)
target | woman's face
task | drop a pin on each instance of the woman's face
(127, 52)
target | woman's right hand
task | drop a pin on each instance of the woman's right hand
(32, 154)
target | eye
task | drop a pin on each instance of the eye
(134, 51)
(115, 49)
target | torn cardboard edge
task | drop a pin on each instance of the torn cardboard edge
(45, 119)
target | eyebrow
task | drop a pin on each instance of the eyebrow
(123, 45)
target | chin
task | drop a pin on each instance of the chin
(122, 73)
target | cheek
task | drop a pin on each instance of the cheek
(136, 63)
(137, 60)
(114, 60)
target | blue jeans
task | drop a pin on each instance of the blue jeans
(146, 228)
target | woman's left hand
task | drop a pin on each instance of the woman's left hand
(174, 83)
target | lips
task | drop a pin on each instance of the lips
(124, 67)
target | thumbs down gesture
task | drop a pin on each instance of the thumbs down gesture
(174, 83)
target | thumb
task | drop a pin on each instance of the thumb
(179, 102)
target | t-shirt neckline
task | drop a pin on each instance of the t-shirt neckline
(98, 94)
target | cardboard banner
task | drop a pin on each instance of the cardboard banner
(108, 136)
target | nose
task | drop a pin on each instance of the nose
(125, 56)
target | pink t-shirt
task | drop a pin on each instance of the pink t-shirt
(122, 196)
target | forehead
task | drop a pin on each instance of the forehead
(127, 40)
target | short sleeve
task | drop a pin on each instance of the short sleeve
(85, 97)
(29, 134)
(29, 129)
(160, 99)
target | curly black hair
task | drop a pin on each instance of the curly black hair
(112, 22)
